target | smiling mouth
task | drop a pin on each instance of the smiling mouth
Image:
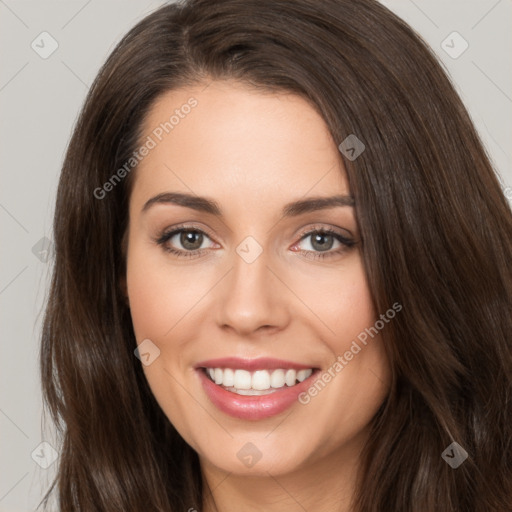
(259, 382)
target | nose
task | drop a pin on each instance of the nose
(252, 299)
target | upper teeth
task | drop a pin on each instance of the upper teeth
(258, 380)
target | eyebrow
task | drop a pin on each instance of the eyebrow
(203, 204)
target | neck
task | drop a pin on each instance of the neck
(324, 485)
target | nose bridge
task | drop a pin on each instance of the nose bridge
(249, 297)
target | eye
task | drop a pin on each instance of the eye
(187, 242)
(317, 244)
(183, 242)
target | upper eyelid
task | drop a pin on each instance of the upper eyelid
(333, 230)
(179, 228)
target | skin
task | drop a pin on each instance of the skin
(253, 152)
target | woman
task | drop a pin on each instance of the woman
(282, 274)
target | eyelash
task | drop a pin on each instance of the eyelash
(347, 243)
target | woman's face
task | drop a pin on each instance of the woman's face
(252, 290)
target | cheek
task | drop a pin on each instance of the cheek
(159, 296)
(148, 301)
(355, 380)
(340, 301)
(356, 339)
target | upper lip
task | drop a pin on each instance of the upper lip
(261, 363)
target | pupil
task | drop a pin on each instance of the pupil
(317, 239)
(187, 239)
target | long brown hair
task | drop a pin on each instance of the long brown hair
(436, 232)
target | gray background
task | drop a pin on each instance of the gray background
(40, 99)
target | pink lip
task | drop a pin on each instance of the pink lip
(252, 407)
(251, 365)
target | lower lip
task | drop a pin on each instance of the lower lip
(253, 407)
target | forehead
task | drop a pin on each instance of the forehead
(236, 143)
